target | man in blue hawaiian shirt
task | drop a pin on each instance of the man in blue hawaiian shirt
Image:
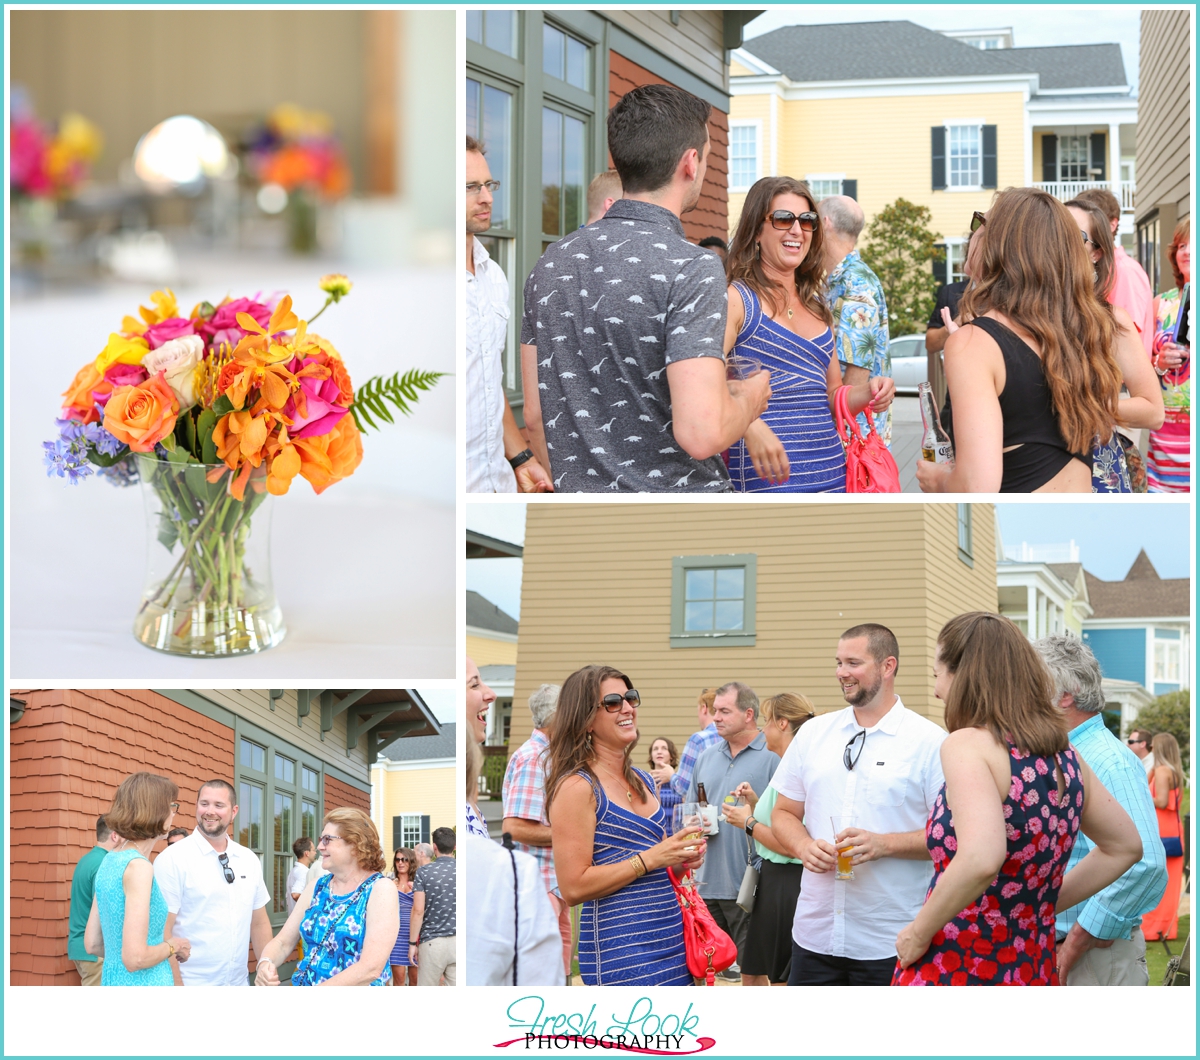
(855, 297)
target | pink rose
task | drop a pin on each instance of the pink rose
(166, 330)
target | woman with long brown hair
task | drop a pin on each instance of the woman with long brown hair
(1033, 377)
(768, 951)
(611, 837)
(1166, 786)
(777, 315)
(1143, 407)
(1002, 827)
(1169, 462)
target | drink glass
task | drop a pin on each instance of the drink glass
(692, 821)
(739, 366)
(845, 869)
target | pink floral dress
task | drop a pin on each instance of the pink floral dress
(1006, 938)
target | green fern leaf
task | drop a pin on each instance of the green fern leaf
(378, 392)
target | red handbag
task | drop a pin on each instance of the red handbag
(870, 468)
(709, 949)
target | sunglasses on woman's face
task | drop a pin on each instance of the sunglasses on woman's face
(784, 219)
(978, 220)
(614, 700)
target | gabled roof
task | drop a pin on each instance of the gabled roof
(483, 614)
(868, 51)
(1142, 594)
(415, 748)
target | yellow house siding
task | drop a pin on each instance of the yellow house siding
(487, 652)
(254, 705)
(884, 143)
(599, 591)
(400, 789)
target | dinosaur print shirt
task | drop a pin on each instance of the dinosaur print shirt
(608, 308)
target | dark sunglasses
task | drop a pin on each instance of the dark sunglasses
(613, 700)
(1131, 740)
(224, 860)
(851, 754)
(977, 221)
(1088, 240)
(784, 219)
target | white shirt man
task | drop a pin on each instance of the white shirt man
(878, 762)
(215, 894)
(298, 878)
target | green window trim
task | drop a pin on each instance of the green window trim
(746, 637)
(965, 546)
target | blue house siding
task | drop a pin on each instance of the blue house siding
(1120, 652)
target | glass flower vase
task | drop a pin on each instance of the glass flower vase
(208, 588)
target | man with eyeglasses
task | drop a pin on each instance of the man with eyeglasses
(215, 893)
(879, 763)
(624, 324)
(855, 297)
(1138, 742)
(498, 460)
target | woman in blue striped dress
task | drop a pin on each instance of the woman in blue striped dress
(611, 838)
(777, 315)
(404, 868)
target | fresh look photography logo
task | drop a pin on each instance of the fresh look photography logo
(642, 1029)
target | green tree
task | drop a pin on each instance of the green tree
(899, 248)
(1171, 713)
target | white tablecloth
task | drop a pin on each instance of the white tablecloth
(365, 573)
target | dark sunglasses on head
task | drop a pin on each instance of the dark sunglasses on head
(978, 220)
(851, 754)
(224, 860)
(613, 700)
(784, 219)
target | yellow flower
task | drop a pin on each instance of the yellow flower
(121, 349)
(336, 284)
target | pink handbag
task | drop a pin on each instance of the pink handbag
(709, 949)
(870, 468)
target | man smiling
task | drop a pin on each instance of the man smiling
(215, 894)
(879, 763)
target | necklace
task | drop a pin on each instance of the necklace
(621, 783)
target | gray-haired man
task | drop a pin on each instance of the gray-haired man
(1100, 941)
(740, 757)
(525, 804)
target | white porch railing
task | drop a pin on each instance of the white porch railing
(1066, 190)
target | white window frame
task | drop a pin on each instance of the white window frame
(1172, 662)
(811, 178)
(959, 244)
(960, 123)
(756, 125)
(405, 826)
(1087, 157)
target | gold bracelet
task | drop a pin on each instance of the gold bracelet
(171, 948)
(639, 866)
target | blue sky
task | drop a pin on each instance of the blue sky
(1108, 535)
(1033, 25)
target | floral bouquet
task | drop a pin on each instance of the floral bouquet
(214, 412)
(46, 164)
(297, 149)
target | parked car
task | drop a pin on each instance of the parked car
(909, 364)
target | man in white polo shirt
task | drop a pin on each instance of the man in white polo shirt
(215, 893)
(876, 762)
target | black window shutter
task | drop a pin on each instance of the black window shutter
(939, 156)
(1098, 153)
(397, 832)
(989, 156)
(850, 189)
(941, 268)
(424, 828)
(1050, 157)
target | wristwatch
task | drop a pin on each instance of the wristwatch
(750, 823)
(521, 458)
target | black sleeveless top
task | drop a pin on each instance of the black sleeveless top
(1029, 418)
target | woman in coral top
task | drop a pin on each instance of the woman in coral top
(1166, 785)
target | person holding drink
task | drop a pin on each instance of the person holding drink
(877, 761)
(610, 838)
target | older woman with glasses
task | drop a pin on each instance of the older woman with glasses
(129, 912)
(404, 868)
(778, 317)
(348, 918)
(610, 837)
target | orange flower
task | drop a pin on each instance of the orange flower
(80, 405)
(241, 436)
(285, 464)
(329, 458)
(142, 416)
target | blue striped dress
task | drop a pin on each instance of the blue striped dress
(633, 937)
(799, 409)
(399, 956)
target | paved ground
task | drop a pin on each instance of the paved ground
(906, 440)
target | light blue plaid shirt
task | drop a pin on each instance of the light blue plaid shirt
(1118, 909)
(697, 744)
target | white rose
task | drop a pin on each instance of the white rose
(178, 359)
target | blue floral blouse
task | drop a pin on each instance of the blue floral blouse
(334, 931)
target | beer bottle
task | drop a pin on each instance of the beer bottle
(936, 446)
(700, 796)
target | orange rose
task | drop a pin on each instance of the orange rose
(329, 458)
(80, 405)
(142, 416)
